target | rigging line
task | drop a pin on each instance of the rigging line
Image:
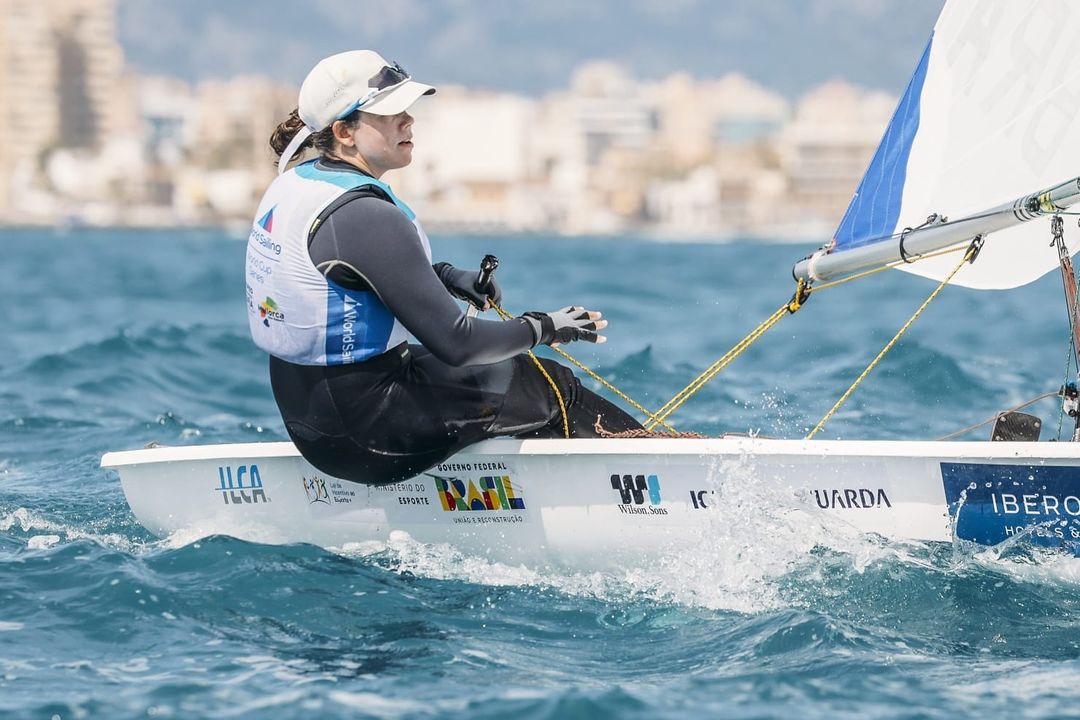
(798, 299)
(991, 419)
(968, 256)
(1070, 353)
(590, 372)
(801, 293)
(660, 417)
(550, 380)
(709, 373)
(558, 395)
(595, 376)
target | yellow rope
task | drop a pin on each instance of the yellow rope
(612, 388)
(710, 372)
(590, 372)
(558, 395)
(802, 291)
(972, 250)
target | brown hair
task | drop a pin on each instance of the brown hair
(323, 141)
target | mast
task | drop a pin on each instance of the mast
(1068, 281)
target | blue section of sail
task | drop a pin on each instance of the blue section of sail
(874, 210)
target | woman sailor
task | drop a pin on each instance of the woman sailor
(339, 275)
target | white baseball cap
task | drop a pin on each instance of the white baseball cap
(341, 84)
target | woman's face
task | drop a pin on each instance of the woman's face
(382, 142)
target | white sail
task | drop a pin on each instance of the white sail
(991, 114)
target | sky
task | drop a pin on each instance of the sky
(531, 47)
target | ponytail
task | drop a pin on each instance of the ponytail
(323, 140)
(286, 131)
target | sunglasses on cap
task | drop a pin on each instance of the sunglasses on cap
(388, 78)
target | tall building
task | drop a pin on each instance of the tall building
(90, 64)
(825, 150)
(61, 69)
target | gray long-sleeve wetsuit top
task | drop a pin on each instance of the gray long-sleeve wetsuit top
(365, 243)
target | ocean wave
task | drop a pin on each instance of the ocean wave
(199, 377)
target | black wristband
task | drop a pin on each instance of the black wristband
(547, 327)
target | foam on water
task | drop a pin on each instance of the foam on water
(28, 522)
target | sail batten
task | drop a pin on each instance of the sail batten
(991, 114)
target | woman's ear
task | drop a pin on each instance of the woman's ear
(343, 133)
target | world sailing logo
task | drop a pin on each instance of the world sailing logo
(242, 486)
(266, 222)
(261, 233)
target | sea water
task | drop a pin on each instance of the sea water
(113, 339)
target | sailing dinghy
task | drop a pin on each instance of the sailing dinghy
(967, 186)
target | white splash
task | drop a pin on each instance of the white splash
(26, 520)
(757, 533)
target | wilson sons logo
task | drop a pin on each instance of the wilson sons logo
(488, 494)
(634, 490)
(241, 485)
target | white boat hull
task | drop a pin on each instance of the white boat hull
(597, 503)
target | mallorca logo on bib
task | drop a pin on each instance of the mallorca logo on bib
(268, 310)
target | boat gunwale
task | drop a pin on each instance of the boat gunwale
(736, 445)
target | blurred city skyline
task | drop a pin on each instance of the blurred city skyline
(90, 136)
(531, 48)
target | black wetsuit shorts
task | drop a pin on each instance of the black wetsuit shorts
(396, 415)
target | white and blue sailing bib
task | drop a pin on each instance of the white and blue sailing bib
(294, 312)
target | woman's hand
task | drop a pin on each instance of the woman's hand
(566, 325)
(464, 285)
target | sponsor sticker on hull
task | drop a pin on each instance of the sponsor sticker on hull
(409, 494)
(991, 503)
(479, 497)
(851, 498)
(240, 485)
(321, 491)
(638, 494)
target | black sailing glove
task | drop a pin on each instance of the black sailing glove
(566, 325)
(463, 284)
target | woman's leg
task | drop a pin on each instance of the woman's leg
(584, 408)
